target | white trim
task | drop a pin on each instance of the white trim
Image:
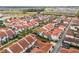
(33, 37)
(67, 42)
(9, 50)
(24, 50)
(45, 28)
(20, 45)
(30, 45)
(70, 36)
(27, 41)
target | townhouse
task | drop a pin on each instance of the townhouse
(72, 37)
(20, 24)
(27, 42)
(6, 34)
(41, 47)
(3, 37)
(55, 34)
(43, 17)
(22, 45)
(70, 50)
(48, 31)
(75, 24)
(45, 29)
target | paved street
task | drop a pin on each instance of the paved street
(59, 43)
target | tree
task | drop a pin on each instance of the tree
(1, 24)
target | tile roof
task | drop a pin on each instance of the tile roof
(5, 51)
(41, 44)
(2, 34)
(15, 48)
(69, 32)
(29, 39)
(46, 28)
(41, 30)
(67, 20)
(10, 33)
(45, 48)
(49, 26)
(75, 22)
(64, 50)
(30, 24)
(73, 40)
(37, 50)
(62, 17)
(56, 31)
(21, 24)
(61, 27)
(54, 21)
(18, 27)
(23, 43)
(47, 33)
(73, 50)
(41, 47)
(33, 22)
(69, 39)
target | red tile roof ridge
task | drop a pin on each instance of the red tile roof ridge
(23, 43)
(56, 31)
(17, 46)
(38, 42)
(3, 33)
(68, 50)
(45, 28)
(47, 33)
(20, 45)
(7, 49)
(37, 50)
(41, 30)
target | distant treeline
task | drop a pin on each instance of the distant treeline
(35, 10)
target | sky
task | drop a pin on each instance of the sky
(39, 3)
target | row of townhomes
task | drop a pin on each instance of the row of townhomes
(14, 26)
(29, 44)
(71, 39)
(39, 34)
(54, 30)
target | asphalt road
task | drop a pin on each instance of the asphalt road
(59, 43)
